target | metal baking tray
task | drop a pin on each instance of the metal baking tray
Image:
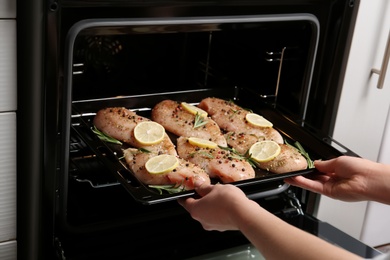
(110, 154)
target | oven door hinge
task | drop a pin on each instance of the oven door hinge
(294, 207)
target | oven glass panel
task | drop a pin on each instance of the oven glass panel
(272, 58)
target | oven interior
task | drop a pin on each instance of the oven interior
(268, 54)
(264, 63)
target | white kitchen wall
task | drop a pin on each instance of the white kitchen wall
(8, 106)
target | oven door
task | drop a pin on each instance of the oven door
(167, 231)
(309, 224)
(262, 62)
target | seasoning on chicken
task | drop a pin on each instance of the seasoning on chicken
(288, 160)
(179, 121)
(119, 123)
(232, 118)
(186, 175)
(241, 135)
(218, 163)
(241, 142)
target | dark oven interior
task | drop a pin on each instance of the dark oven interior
(277, 60)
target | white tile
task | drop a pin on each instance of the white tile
(8, 250)
(7, 176)
(7, 9)
(8, 86)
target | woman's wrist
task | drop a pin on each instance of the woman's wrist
(378, 183)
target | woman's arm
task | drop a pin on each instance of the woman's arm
(225, 207)
(276, 239)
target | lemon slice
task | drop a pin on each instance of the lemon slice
(264, 151)
(161, 164)
(258, 120)
(193, 109)
(203, 143)
(149, 132)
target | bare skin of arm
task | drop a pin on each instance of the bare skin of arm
(349, 179)
(225, 207)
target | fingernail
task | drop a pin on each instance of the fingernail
(198, 183)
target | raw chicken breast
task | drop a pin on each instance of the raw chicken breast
(186, 175)
(119, 123)
(180, 122)
(231, 118)
(217, 162)
(289, 160)
(241, 135)
(241, 142)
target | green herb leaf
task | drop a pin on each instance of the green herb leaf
(105, 137)
(299, 147)
(144, 150)
(236, 155)
(199, 121)
(168, 188)
(234, 112)
(205, 154)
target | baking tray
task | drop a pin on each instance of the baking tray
(110, 154)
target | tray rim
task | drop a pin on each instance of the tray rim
(141, 192)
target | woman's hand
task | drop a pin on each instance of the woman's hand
(216, 207)
(349, 179)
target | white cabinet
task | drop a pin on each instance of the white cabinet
(361, 117)
(8, 107)
(363, 107)
(376, 228)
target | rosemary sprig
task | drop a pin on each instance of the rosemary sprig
(168, 188)
(105, 137)
(205, 154)
(226, 148)
(236, 155)
(234, 113)
(143, 150)
(299, 147)
(199, 121)
(250, 160)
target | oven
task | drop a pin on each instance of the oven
(78, 200)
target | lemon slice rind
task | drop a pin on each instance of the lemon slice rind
(160, 164)
(194, 110)
(264, 151)
(203, 143)
(257, 120)
(149, 133)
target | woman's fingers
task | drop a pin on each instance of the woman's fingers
(308, 184)
(203, 189)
